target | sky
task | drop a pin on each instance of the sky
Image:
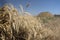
(36, 6)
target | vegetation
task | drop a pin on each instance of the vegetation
(15, 26)
(45, 16)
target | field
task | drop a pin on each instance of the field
(24, 26)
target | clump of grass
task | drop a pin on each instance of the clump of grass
(21, 27)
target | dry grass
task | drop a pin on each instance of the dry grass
(21, 27)
(51, 23)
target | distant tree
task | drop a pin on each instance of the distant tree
(45, 14)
